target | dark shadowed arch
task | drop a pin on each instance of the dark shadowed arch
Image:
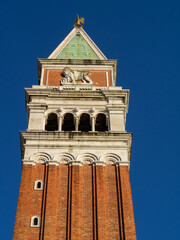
(39, 184)
(101, 123)
(35, 221)
(68, 123)
(84, 123)
(52, 122)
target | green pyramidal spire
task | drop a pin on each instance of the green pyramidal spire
(77, 48)
(77, 45)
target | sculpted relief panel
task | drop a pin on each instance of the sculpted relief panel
(74, 76)
(57, 77)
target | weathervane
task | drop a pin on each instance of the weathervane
(78, 21)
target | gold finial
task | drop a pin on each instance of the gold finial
(78, 21)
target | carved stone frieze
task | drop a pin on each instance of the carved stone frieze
(67, 158)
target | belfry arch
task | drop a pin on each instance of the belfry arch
(68, 122)
(101, 124)
(84, 123)
(51, 122)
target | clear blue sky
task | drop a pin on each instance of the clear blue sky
(145, 38)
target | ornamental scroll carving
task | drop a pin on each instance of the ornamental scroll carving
(74, 76)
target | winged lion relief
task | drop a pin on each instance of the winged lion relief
(75, 76)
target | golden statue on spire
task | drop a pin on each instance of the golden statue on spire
(78, 21)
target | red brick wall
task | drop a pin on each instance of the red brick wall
(112, 217)
(101, 202)
(80, 202)
(128, 214)
(76, 204)
(61, 191)
(87, 207)
(29, 203)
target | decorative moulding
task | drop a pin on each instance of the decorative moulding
(67, 158)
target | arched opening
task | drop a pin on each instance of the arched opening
(52, 122)
(68, 123)
(35, 221)
(84, 123)
(39, 185)
(101, 123)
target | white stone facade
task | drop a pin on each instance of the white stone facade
(112, 146)
(44, 100)
(76, 147)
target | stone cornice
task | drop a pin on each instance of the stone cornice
(76, 135)
(59, 92)
(113, 141)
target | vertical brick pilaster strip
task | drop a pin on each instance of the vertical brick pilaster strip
(50, 225)
(101, 202)
(87, 203)
(127, 206)
(94, 203)
(69, 202)
(112, 209)
(43, 206)
(120, 206)
(62, 192)
(76, 209)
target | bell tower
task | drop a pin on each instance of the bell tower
(76, 151)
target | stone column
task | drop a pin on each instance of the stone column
(60, 123)
(76, 124)
(93, 124)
